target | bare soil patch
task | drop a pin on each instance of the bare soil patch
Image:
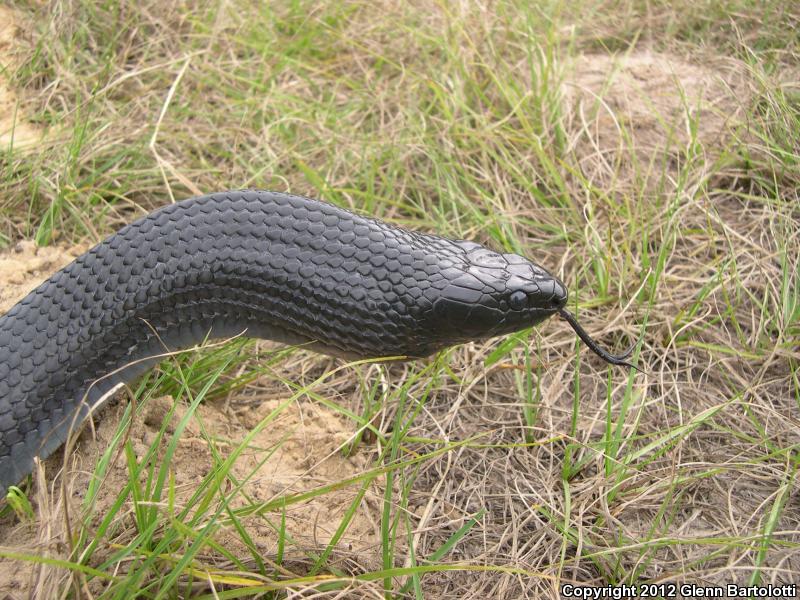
(15, 130)
(25, 266)
(635, 113)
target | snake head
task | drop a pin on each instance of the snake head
(489, 294)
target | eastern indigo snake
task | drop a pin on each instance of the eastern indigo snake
(271, 265)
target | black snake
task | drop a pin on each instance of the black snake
(272, 265)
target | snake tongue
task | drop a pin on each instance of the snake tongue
(614, 359)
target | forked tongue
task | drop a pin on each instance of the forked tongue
(614, 359)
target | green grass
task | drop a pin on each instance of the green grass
(512, 465)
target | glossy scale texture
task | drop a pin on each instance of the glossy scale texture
(265, 264)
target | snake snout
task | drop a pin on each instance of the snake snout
(557, 294)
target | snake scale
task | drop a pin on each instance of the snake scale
(266, 264)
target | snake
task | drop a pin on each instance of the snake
(257, 263)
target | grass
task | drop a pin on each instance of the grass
(503, 468)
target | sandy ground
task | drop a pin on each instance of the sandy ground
(15, 130)
(651, 106)
(25, 266)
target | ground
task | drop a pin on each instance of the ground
(646, 153)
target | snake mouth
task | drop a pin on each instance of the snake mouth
(614, 359)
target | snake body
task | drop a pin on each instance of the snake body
(265, 264)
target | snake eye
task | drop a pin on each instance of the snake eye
(518, 300)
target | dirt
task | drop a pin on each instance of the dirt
(628, 110)
(15, 130)
(25, 266)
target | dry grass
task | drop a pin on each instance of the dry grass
(645, 152)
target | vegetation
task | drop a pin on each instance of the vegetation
(646, 152)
